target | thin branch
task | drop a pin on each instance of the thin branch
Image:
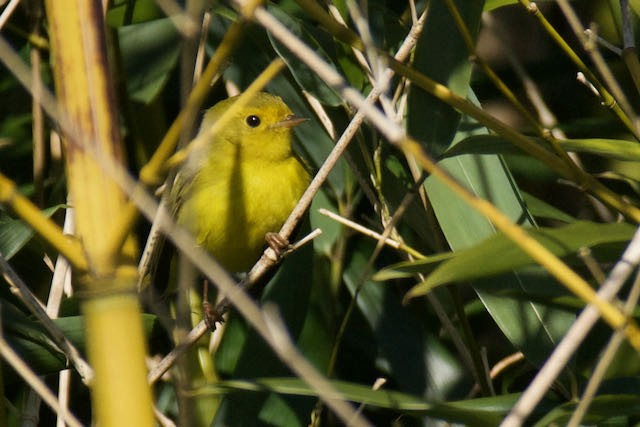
(8, 11)
(574, 336)
(396, 135)
(629, 52)
(14, 360)
(61, 276)
(20, 289)
(370, 233)
(604, 360)
(601, 65)
(183, 22)
(266, 261)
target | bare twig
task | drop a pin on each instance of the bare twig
(370, 233)
(34, 382)
(266, 261)
(61, 278)
(574, 336)
(8, 11)
(599, 62)
(605, 360)
(19, 288)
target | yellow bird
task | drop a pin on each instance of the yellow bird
(243, 183)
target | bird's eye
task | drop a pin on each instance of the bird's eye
(253, 121)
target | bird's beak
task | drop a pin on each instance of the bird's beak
(290, 121)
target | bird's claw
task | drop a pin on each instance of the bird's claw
(211, 316)
(278, 244)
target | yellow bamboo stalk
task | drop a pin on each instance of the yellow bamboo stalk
(115, 340)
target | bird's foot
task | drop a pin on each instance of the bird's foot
(211, 316)
(278, 244)
(210, 313)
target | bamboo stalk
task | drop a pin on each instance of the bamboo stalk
(112, 315)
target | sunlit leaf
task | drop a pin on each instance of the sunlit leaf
(125, 12)
(498, 254)
(441, 54)
(619, 149)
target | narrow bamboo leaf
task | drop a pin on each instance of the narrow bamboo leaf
(498, 254)
(616, 176)
(30, 340)
(150, 52)
(15, 233)
(495, 4)
(618, 149)
(481, 144)
(476, 412)
(126, 12)
(331, 230)
(407, 269)
(442, 55)
(601, 409)
(541, 209)
(15, 134)
(408, 357)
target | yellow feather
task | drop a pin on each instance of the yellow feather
(243, 183)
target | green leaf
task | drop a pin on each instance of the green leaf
(15, 233)
(601, 409)
(616, 176)
(243, 353)
(405, 269)
(618, 149)
(15, 136)
(324, 243)
(126, 12)
(541, 209)
(476, 412)
(30, 340)
(150, 53)
(498, 254)
(408, 356)
(441, 54)
(490, 5)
